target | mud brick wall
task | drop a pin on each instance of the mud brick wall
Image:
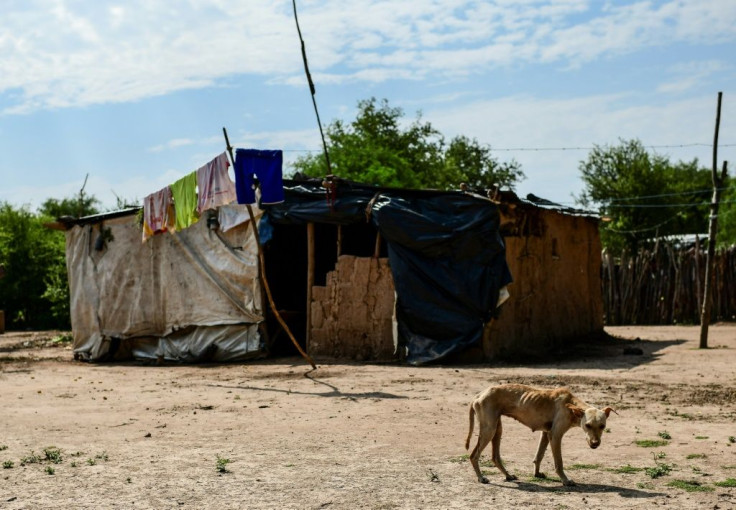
(556, 295)
(351, 315)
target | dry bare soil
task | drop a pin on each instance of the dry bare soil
(273, 434)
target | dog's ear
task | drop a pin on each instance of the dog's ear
(576, 411)
(608, 410)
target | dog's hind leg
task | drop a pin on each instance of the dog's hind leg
(487, 426)
(541, 449)
(497, 452)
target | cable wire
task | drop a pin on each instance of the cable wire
(312, 90)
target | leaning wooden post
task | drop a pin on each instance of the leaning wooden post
(310, 281)
(262, 267)
(712, 233)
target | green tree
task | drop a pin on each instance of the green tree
(32, 258)
(378, 148)
(76, 207)
(727, 217)
(642, 195)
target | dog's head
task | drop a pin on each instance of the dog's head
(592, 421)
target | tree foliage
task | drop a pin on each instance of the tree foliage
(76, 207)
(33, 289)
(378, 148)
(644, 195)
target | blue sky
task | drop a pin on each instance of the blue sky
(136, 93)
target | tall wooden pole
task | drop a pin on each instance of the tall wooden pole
(262, 268)
(712, 233)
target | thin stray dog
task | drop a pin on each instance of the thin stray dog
(553, 411)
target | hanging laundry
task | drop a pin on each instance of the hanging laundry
(215, 186)
(184, 192)
(266, 165)
(158, 215)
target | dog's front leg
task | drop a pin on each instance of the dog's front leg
(555, 442)
(541, 449)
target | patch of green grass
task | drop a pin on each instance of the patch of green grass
(664, 435)
(102, 456)
(690, 486)
(74, 463)
(728, 482)
(651, 443)
(91, 462)
(660, 455)
(50, 470)
(3, 447)
(548, 479)
(8, 464)
(460, 458)
(65, 338)
(644, 485)
(53, 454)
(221, 464)
(696, 456)
(701, 437)
(585, 466)
(658, 470)
(731, 439)
(627, 469)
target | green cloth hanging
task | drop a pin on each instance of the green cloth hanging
(184, 192)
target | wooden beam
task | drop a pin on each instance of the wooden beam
(310, 282)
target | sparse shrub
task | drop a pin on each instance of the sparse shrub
(221, 464)
(658, 470)
(30, 459)
(664, 435)
(53, 454)
(50, 470)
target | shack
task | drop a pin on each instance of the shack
(357, 272)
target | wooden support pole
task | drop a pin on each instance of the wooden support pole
(262, 268)
(310, 281)
(339, 241)
(712, 233)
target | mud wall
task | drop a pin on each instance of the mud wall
(556, 298)
(351, 315)
(556, 294)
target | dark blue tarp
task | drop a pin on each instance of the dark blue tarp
(446, 255)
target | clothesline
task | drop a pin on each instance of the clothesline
(182, 203)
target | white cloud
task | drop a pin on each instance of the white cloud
(688, 75)
(171, 144)
(82, 53)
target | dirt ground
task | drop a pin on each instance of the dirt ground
(272, 434)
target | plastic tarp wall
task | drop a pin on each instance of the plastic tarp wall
(189, 296)
(446, 255)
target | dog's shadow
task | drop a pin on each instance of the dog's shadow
(581, 488)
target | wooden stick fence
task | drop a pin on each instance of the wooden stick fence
(663, 286)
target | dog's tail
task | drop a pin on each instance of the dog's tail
(472, 423)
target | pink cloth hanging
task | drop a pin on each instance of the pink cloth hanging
(157, 213)
(214, 184)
